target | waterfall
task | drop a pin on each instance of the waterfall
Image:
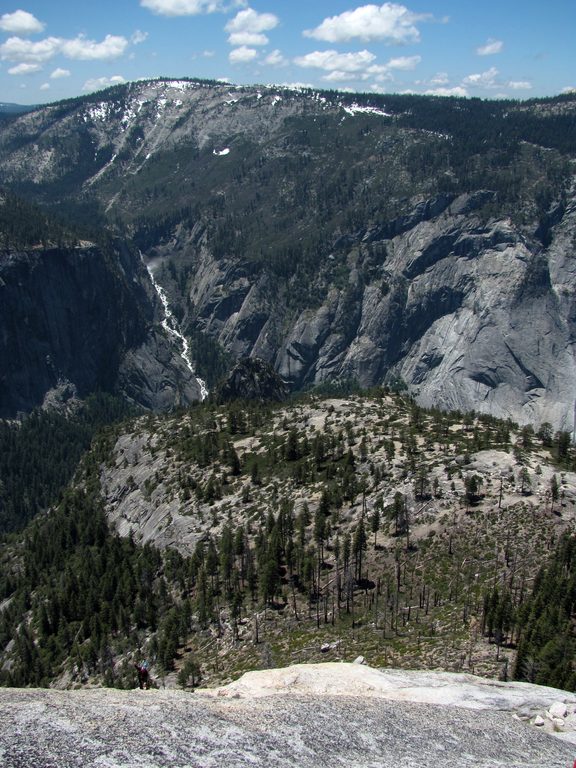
(170, 325)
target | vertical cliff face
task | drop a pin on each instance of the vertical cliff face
(83, 319)
(469, 312)
(372, 237)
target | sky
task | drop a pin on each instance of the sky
(56, 49)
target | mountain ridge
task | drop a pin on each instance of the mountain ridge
(336, 236)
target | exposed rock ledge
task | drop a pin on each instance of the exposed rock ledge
(329, 714)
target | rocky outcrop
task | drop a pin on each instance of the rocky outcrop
(252, 379)
(502, 342)
(77, 320)
(154, 375)
(342, 719)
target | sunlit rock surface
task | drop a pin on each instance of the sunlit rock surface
(306, 716)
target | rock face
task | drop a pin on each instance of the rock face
(383, 242)
(76, 320)
(469, 314)
(252, 379)
(486, 325)
(353, 726)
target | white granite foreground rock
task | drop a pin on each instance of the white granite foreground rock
(341, 715)
(448, 688)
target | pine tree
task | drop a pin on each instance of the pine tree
(375, 522)
(359, 547)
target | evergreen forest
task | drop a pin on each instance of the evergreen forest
(323, 528)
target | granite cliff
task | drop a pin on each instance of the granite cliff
(395, 239)
(77, 320)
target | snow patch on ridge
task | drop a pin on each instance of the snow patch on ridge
(181, 85)
(97, 112)
(358, 109)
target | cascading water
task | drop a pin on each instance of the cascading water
(170, 325)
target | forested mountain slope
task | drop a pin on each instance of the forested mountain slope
(367, 238)
(237, 537)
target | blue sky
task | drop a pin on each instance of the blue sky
(54, 49)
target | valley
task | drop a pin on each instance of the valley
(361, 238)
(286, 375)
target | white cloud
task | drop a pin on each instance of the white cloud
(380, 71)
(378, 88)
(384, 77)
(242, 55)
(440, 78)
(45, 87)
(248, 38)
(111, 47)
(390, 22)
(569, 89)
(332, 60)
(520, 85)
(276, 59)
(483, 79)
(339, 77)
(490, 47)
(343, 67)
(17, 49)
(405, 63)
(208, 54)
(97, 83)
(20, 23)
(24, 69)
(383, 72)
(59, 72)
(189, 7)
(458, 90)
(138, 37)
(248, 26)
